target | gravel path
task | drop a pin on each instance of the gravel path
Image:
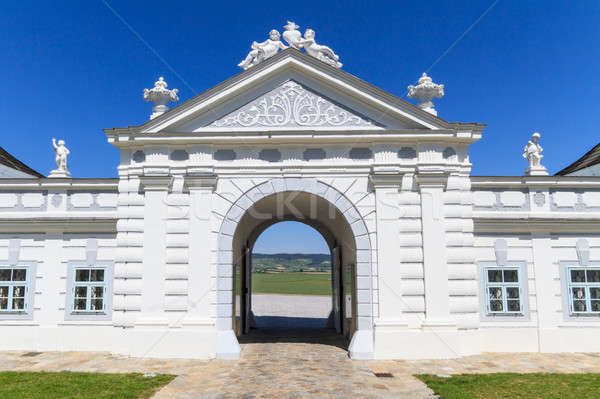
(311, 306)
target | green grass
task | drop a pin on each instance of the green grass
(291, 283)
(515, 386)
(68, 385)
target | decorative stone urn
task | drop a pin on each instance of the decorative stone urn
(161, 96)
(425, 92)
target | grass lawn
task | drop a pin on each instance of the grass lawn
(291, 283)
(68, 385)
(517, 386)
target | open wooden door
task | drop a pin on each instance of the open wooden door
(237, 299)
(348, 301)
(335, 289)
(247, 288)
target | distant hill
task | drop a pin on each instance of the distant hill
(291, 262)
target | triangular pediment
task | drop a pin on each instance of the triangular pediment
(293, 91)
(291, 105)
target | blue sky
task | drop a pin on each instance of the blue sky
(283, 237)
(71, 68)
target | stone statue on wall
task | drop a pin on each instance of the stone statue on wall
(264, 50)
(533, 153)
(320, 52)
(270, 47)
(61, 159)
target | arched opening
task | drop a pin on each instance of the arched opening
(328, 221)
(328, 211)
(291, 279)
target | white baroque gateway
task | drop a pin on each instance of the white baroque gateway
(436, 263)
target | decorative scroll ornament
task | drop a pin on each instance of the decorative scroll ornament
(533, 154)
(291, 105)
(425, 92)
(161, 96)
(270, 47)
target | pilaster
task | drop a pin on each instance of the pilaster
(543, 262)
(435, 269)
(200, 282)
(127, 293)
(177, 248)
(460, 253)
(153, 282)
(391, 304)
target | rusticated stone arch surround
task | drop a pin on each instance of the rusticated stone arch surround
(361, 346)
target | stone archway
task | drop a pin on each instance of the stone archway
(361, 345)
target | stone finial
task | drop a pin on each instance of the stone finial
(161, 96)
(425, 92)
(533, 154)
(292, 35)
(61, 159)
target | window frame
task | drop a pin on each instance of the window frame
(485, 312)
(28, 298)
(566, 284)
(503, 285)
(106, 313)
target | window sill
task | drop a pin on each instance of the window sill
(504, 315)
(507, 319)
(88, 314)
(581, 318)
(86, 323)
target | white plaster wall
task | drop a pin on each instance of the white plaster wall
(518, 334)
(547, 328)
(48, 329)
(541, 224)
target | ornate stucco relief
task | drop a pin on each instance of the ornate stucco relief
(292, 105)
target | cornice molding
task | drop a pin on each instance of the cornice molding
(312, 137)
(483, 182)
(101, 184)
(64, 225)
(531, 225)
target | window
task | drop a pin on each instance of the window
(14, 289)
(503, 290)
(89, 289)
(584, 291)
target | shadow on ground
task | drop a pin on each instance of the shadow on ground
(275, 329)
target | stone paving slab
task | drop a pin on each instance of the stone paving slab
(297, 364)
